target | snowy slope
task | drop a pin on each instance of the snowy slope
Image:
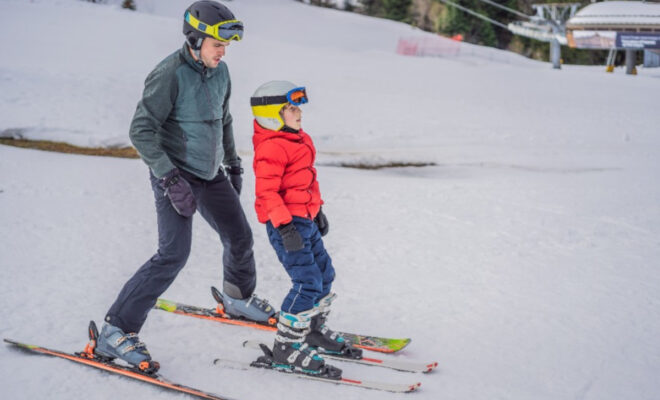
(525, 262)
(83, 88)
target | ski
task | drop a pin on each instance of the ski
(260, 363)
(372, 343)
(88, 358)
(406, 366)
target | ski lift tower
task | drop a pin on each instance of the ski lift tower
(548, 25)
(555, 15)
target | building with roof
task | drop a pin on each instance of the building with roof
(628, 26)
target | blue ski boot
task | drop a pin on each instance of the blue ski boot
(113, 343)
(323, 338)
(252, 308)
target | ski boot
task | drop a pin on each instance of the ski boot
(323, 338)
(291, 353)
(253, 308)
(113, 343)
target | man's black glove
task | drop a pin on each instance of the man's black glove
(179, 192)
(322, 222)
(291, 238)
(236, 178)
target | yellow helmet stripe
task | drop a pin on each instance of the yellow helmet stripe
(212, 30)
(271, 111)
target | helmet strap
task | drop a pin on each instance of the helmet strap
(198, 44)
(197, 48)
(197, 53)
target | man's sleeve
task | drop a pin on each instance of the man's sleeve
(160, 91)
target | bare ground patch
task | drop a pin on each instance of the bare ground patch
(382, 165)
(59, 147)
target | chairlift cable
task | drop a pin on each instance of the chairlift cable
(476, 14)
(511, 10)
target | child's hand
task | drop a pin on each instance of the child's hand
(291, 238)
(322, 223)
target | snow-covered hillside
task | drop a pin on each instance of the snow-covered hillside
(525, 261)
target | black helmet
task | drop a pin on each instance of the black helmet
(208, 18)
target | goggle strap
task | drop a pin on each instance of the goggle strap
(267, 100)
(214, 29)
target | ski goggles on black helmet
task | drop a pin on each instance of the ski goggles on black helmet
(223, 30)
(296, 96)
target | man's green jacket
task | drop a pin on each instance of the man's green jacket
(183, 119)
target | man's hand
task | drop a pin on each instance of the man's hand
(236, 178)
(179, 192)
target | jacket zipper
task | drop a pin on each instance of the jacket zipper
(309, 188)
(211, 121)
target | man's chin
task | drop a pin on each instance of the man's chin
(212, 64)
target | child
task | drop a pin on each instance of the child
(289, 203)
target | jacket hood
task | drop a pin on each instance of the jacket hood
(262, 134)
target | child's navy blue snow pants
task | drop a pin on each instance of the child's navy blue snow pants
(310, 269)
(219, 205)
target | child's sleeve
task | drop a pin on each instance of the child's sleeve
(270, 161)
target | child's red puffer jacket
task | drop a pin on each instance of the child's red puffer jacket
(285, 176)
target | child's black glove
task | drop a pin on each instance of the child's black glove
(322, 223)
(291, 238)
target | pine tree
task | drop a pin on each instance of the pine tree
(398, 10)
(449, 20)
(128, 4)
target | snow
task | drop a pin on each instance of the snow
(525, 261)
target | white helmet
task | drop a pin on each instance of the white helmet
(269, 98)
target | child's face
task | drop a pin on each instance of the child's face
(292, 116)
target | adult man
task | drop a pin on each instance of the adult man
(182, 129)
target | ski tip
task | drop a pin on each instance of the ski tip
(404, 343)
(413, 387)
(431, 366)
(15, 343)
(391, 346)
(20, 345)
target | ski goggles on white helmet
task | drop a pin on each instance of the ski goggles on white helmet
(224, 31)
(296, 96)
